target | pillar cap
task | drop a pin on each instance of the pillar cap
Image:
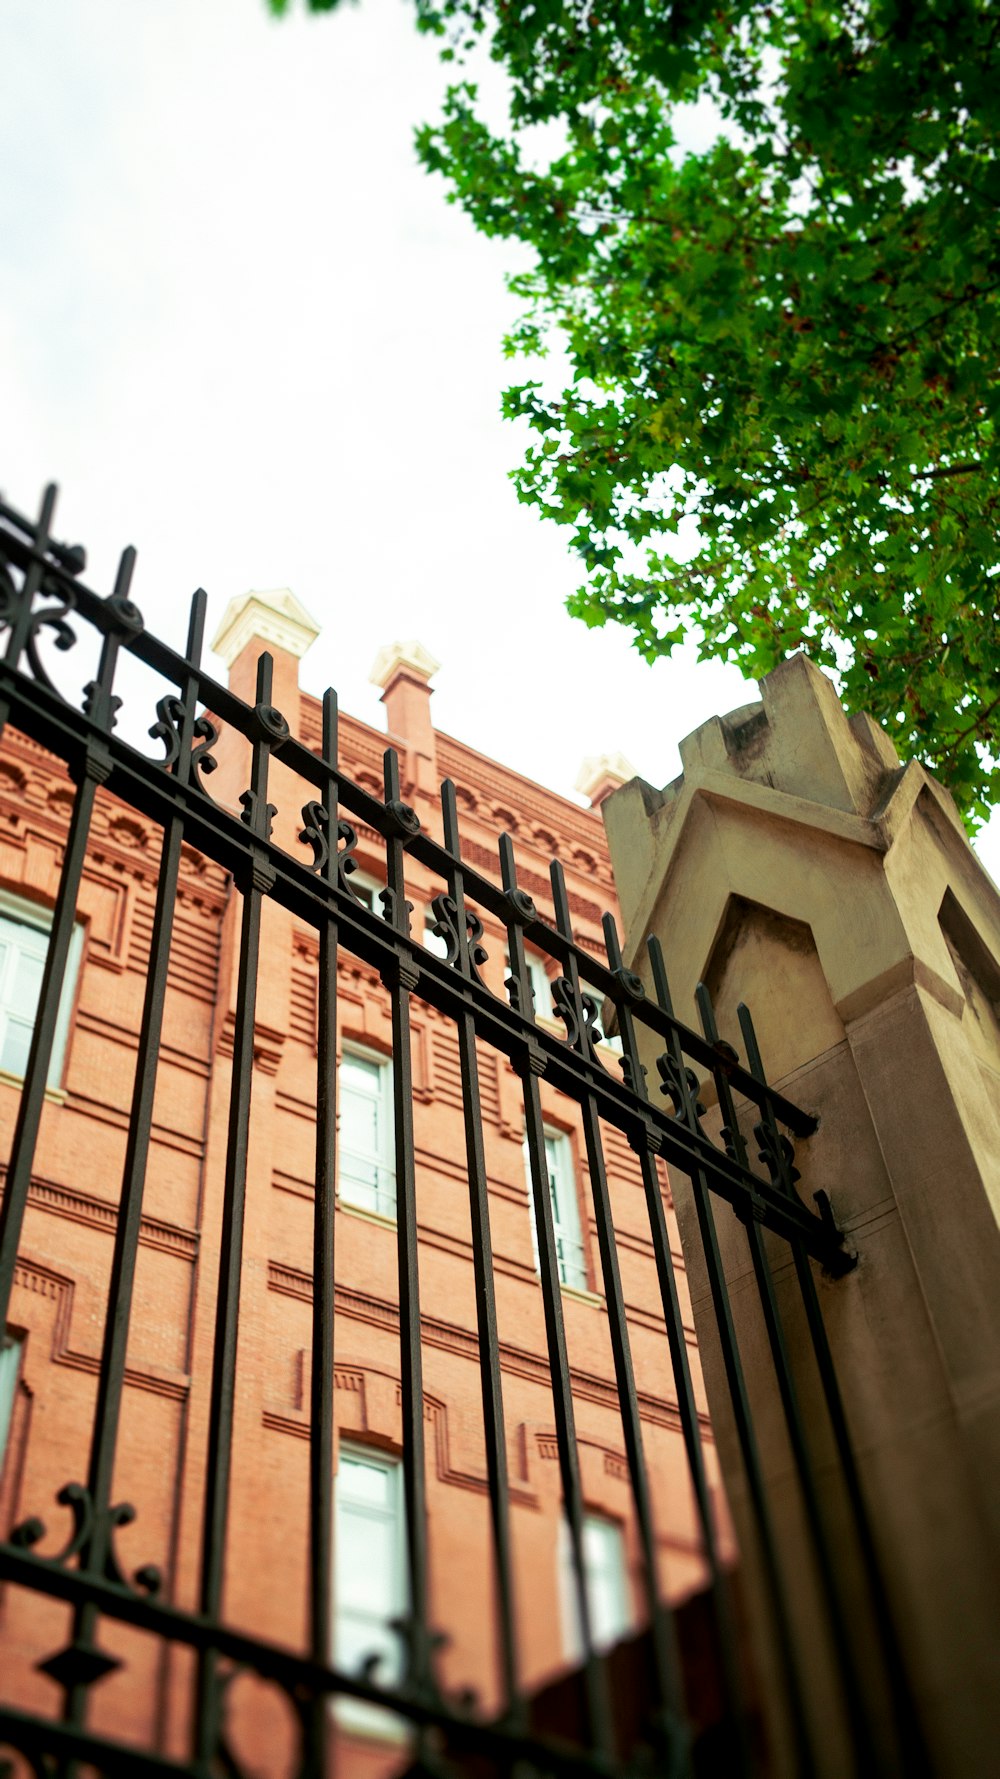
(402, 657)
(273, 616)
(600, 774)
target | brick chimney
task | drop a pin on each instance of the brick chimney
(254, 622)
(404, 670)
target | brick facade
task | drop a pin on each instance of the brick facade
(58, 1302)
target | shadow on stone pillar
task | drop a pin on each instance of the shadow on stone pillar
(797, 866)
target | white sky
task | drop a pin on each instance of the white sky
(243, 330)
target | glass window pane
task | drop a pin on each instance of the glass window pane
(23, 948)
(16, 1045)
(606, 1582)
(10, 1356)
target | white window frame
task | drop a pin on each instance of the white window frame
(606, 1577)
(350, 1518)
(379, 1199)
(10, 1371)
(18, 911)
(571, 1256)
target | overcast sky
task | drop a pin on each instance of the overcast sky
(244, 331)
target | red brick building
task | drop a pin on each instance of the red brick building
(50, 1360)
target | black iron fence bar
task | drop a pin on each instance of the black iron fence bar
(680, 1086)
(156, 793)
(97, 1552)
(916, 1759)
(253, 883)
(302, 761)
(724, 1628)
(531, 1068)
(671, 1730)
(92, 770)
(838, 1628)
(399, 978)
(321, 1399)
(465, 960)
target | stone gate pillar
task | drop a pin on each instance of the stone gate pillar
(798, 866)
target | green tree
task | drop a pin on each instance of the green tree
(779, 428)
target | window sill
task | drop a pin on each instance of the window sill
(578, 1295)
(365, 1215)
(56, 1095)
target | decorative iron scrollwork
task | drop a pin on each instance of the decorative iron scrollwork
(402, 820)
(681, 1085)
(778, 1156)
(87, 1520)
(582, 1038)
(316, 818)
(347, 864)
(446, 926)
(202, 761)
(521, 906)
(272, 725)
(170, 714)
(50, 617)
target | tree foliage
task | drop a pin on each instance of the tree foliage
(779, 427)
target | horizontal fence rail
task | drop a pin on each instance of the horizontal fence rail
(44, 603)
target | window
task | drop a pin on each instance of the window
(367, 889)
(606, 1581)
(435, 943)
(565, 1209)
(24, 942)
(538, 982)
(10, 1362)
(369, 1578)
(367, 1150)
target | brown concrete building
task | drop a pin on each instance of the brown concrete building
(50, 1359)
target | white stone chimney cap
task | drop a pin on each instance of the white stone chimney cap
(274, 617)
(602, 773)
(393, 656)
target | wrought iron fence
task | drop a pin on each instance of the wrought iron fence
(43, 595)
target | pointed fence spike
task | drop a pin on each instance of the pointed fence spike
(449, 815)
(390, 766)
(508, 863)
(196, 626)
(750, 1041)
(557, 877)
(612, 943)
(330, 729)
(659, 969)
(126, 569)
(265, 677)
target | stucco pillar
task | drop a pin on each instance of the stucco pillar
(798, 866)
